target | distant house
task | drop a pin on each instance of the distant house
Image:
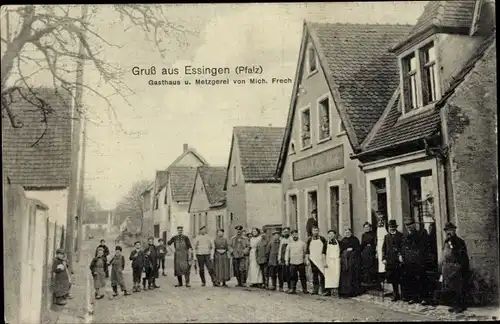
(147, 207)
(338, 95)
(41, 164)
(172, 193)
(100, 223)
(208, 201)
(252, 189)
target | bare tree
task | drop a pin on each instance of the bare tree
(48, 37)
(131, 204)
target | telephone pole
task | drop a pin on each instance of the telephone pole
(78, 117)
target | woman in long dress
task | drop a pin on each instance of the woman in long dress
(368, 256)
(221, 259)
(350, 280)
(254, 278)
(332, 270)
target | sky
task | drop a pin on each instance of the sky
(148, 134)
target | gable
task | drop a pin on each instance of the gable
(199, 199)
(189, 159)
(213, 181)
(234, 161)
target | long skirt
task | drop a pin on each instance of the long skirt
(100, 279)
(222, 267)
(254, 273)
(61, 284)
(350, 279)
(368, 265)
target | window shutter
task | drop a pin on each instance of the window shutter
(345, 201)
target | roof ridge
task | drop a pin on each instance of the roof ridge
(356, 24)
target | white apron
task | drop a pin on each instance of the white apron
(315, 249)
(381, 233)
(254, 273)
(332, 273)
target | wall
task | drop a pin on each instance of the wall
(180, 217)
(315, 87)
(57, 202)
(189, 160)
(235, 194)
(262, 206)
(471, 116)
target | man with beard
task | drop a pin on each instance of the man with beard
(414, 283)
(391, 258)
(239, 245)
(154, 258)
(283, 269)
(454, 268)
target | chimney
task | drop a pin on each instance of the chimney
(184, 148)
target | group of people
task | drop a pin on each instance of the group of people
(145, 262)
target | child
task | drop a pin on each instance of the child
(60, 277)
(162, 251)
(117, 265)
(97, 267)
(148, 270)
(137, 257)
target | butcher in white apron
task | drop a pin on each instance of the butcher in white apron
(381, 233)
(332, 269)
(316, 254)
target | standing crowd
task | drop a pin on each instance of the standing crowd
(342, 267)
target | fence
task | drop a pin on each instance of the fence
(29, 243)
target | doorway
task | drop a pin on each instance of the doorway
(379, 201)
(293, 212)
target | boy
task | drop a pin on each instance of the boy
(148, 270)
(106, 253)
(137, 257)
(60, 277)
(117, 265)
(98, 269)
(162, 251)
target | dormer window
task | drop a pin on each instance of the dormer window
(420, 84)
(311, 59)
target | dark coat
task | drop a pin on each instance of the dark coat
(311, 222)
(455, 265)
(161, 250)
(105, 248)
(137, 258)
(60, 279)
(273, 251)
(391, 250)
(414, 249)
(93, 264)
(261, 251)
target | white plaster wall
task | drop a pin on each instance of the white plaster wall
(263, 204)
(56, 200)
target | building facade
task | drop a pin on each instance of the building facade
(434, 148)
(252, 189)
(329, 117)
(208, 201)
(172, 193)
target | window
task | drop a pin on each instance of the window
(306, 128)
(324, 118)
(234, 180)
(311, 58)
(293, 212)
(156, 202)
(206, 219)
(165, 201)
(420, 81)
(220, 221)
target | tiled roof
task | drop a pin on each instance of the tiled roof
(48, 163)
(455, 14)
(213, 178)
(259, 149)
(365, 73)
(182, 179)
(395, 131)
(161, 180)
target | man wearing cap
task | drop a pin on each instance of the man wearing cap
(183, 256)
(284, 269)
(454, 268)
(295, 257)
(154, 258)
(238, 246)
(60, 278)
(273, 251)
(414, 282)
(203, 247)
(312, 222)
(391, 258)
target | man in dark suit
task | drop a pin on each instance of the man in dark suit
(392, 259)
(312, 222)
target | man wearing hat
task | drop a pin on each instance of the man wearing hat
(239, 245)
(203, 248)
(284, 270)
(392, 259)
(312, 222)
(60, 278)
(154, 258)
(414, 282)
(454, 269)
(183, 256)
(273, 251)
